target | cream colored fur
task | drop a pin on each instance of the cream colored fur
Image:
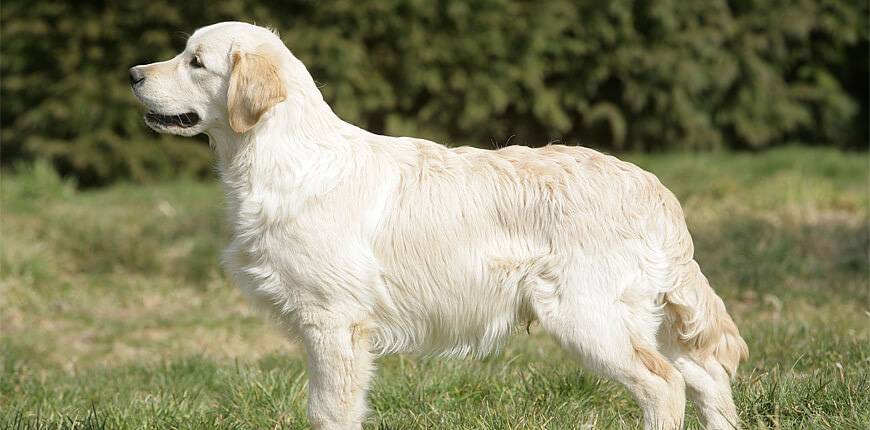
(363, 245)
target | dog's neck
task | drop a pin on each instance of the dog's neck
(298, 150)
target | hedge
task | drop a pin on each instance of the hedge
(619, 75)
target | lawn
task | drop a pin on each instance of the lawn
(114, 312)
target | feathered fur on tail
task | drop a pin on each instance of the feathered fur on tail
(698, 318)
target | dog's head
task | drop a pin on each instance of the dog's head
(228, 77)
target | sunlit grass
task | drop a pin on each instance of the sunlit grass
(114, 312)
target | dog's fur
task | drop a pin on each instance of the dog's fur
(363, 245)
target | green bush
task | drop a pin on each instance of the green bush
(621, 75)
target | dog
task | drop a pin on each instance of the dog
(361, 245)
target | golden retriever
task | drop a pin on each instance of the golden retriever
(362, 245)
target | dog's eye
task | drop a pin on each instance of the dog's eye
(195, 63)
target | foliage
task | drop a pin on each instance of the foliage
(621, 75)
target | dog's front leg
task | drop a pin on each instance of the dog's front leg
(339, 368)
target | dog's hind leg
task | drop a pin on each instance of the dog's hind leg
(591, 321)
(340, 366)
(709, 388)
(705, 345)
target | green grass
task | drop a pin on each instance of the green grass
(114, 312)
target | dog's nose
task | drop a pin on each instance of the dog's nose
(136, 76)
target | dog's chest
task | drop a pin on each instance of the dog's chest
(267, 249)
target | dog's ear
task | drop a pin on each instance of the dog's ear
(255, 86)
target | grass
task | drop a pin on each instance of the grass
(114, 312)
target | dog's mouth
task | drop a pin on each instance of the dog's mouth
(181, 120)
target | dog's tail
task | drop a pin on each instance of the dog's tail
(702, 326)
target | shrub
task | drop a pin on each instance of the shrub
(621, 75)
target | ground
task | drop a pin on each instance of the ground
(114, 312)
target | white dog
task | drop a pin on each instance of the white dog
(363, 245)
